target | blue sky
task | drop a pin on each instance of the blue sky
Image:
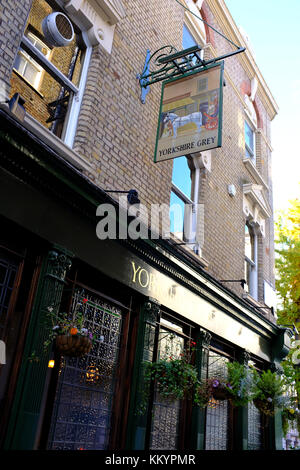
(273, 27)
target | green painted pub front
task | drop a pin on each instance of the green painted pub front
(137, 293)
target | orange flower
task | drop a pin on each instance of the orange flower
(73, 331)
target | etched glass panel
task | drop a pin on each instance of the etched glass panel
(217, 413)
(254, 428)
(84, 395)
(166, 414)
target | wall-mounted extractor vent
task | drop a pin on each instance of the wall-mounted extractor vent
(58, 29)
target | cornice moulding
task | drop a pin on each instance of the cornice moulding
(254, 193)
(254, 173)
(97, 18)
(113, 9)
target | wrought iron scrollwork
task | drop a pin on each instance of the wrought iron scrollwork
(205, 338)
(153, 309)
(59, 264)
(167, 63)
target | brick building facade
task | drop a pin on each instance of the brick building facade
(101, 138)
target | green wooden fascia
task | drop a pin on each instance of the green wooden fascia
(49, 169)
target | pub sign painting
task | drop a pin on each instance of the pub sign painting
(190, 118)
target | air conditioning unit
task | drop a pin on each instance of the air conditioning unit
(58, 29)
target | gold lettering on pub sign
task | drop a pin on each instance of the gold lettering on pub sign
(142, 277)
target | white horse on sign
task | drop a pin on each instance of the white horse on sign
(178, 121)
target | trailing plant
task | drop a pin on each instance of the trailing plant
(240, 383)
(174, 378)
(69, 324)
(290, 414)
(268, 392)
(213, 387)
(236, 386)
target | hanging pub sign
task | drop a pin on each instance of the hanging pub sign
(190, 118)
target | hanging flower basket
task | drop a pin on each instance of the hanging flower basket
(73, 345)
(68, 332)
(264, 406)
(220, 393)
(268, 392)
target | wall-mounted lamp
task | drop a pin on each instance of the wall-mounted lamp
(231, 190)
(132, 195)
(16, 106)
(51, 363)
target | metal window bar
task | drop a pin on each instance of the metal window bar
(83, 403)
(39, 57)
(181, 195)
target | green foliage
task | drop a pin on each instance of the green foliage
(240, 383)
(292, 371)
(174, 379)
(290, 415)
(288, 264)
(236, 386)
(203, 392)
(268, 391)
(63, 323)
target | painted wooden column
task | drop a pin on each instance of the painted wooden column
(145, 351)
(197, 437)
(25, 415)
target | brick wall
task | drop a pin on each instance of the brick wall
(37, 99)
(117, 133)
(13, 17)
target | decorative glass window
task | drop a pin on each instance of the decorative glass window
(26, 66)
(86, 386)
(255, 430)
(251, 261)
(250, 142)
(217, 413)
(165, 425)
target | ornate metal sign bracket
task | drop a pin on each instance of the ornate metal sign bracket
(170, 63)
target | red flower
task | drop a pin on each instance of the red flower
(85, 301)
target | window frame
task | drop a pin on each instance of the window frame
(190, 218)
(251, 265)
(189, 229)
(29, 60)
(76, 92)
(248, 149)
